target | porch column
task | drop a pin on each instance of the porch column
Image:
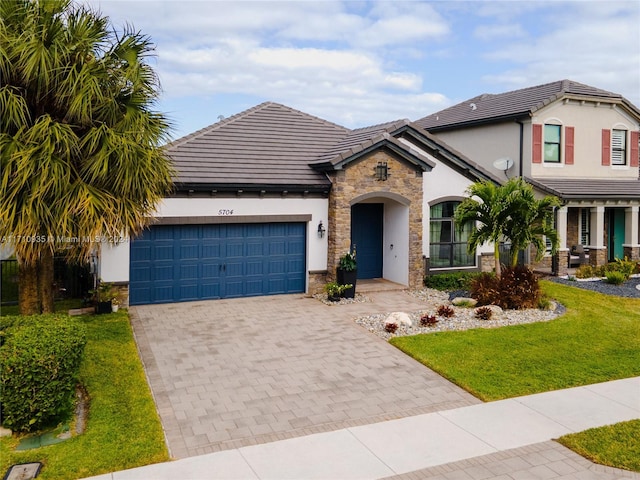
(597, 249)
(563, 251)
(631, 243)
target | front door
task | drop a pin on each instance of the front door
(616, 234)
(367, 223)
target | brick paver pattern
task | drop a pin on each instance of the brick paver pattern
(542, 461)
(232, 373)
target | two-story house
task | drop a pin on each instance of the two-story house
(571, 140)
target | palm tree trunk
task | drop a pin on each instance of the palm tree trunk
(28, 298)
(45, 281)
(496, 256)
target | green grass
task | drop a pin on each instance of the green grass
(614, 445)
(598, 339)
(123, 428)
(59, 306)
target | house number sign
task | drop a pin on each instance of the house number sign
(224, 212)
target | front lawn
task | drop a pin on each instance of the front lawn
(614, 445)
(123, 429)
(598, 339)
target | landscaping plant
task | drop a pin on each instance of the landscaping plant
(39, 364)
(445, 311)
(427, 320)
(517, 288)
(484, 313)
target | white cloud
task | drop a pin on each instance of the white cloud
(601, 50)
(491, 32)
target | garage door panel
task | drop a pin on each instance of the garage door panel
(189, 252)
(190, 262)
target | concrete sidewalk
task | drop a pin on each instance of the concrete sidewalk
(501, 433)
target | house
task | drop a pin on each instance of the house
(266, 202)
(571, 140)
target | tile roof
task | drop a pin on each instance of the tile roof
(518, 103)
(274, 147)
(358, 139)
(580, 188)
(267, 145)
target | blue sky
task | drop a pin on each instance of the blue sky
(361, 63)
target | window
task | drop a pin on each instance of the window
(619, 147)
(447, 245)
(584, 224)
(552, 143)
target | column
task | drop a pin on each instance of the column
(597, 249)
(631, 243)
(563, 251)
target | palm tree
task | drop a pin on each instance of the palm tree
(80, 143)
(490, 215)
(530, 222)
(507, 212)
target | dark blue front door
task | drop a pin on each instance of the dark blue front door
(176, 263)
(367, 222)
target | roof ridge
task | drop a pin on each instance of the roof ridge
(326, 122)
(392, 125)
(218, 124)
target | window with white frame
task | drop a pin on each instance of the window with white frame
(584, 223)
(552, 143)
(619, 147)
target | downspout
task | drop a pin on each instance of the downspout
(521, 153)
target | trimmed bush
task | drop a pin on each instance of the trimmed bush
(615, 278)
(39, 364)
(517, 288)
(450, 281)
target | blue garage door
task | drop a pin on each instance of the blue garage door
(178, 263)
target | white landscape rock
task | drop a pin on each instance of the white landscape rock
(399, 318)
(464, 301)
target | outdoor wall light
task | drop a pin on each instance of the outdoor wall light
(321, 230)
(382, 171)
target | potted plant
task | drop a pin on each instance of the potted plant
(103, 296)
(335, 290)
(347, 273)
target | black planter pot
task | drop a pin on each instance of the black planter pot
(346, 277)
(103, 307)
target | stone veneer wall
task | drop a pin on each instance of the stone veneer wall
(317, 281)
(572, 227)
(358, 178)
(632, 253)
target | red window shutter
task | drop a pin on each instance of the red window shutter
(606, 147)
(568, 145)
(537, 144)
(634, 149)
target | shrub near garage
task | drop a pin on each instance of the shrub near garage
(39, 364)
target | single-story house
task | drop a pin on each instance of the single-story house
(266, 202)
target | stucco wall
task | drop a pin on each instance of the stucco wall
(114, 260)
(485, 144)
(588, 119)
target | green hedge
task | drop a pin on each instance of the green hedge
(39, 363)
(450, 281)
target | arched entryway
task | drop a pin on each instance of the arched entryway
(380, 235)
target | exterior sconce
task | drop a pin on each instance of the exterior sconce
(321, 230)
(382, 171)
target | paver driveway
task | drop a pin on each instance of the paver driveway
(231, 373)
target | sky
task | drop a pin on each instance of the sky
(360, 63)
